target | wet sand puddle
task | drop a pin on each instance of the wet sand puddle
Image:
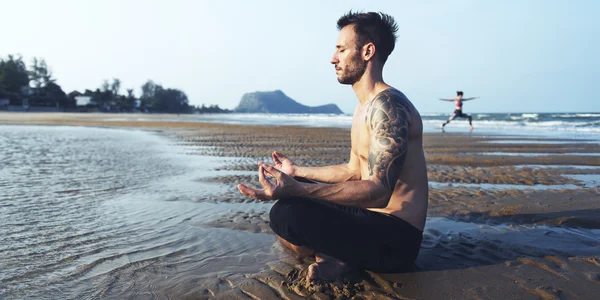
(579, 167)
(539, 141)
(537, 153)
(472, 244)
(583, 181)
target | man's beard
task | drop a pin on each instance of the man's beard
(353, 72)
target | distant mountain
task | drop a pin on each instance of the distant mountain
(279, 103)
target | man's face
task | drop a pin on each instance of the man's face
(347, 58)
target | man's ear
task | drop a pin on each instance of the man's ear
(368, 51)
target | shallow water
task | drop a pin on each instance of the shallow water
(549, 142)
(83, 205)
(449, 244)
(535, 154)
(578, 167)
(499, 186)
(588, 180)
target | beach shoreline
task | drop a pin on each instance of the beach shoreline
(486, 211)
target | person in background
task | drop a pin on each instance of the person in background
(458, 102)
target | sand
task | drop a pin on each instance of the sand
(501, 226)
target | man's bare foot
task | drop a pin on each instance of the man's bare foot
(442, 127)
(326, 268)
(471, 128)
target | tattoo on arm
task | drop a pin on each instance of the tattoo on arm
(388, 119)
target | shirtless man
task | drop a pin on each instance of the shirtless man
(368, 213)
(458, 101)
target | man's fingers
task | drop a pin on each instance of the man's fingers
(279, 156)
(265, 173)
(275, 158)
(244, 189)
(258, 194)
(261, 177)
(252, 193)
(271, 170)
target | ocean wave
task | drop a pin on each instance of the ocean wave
(588, 124)
(577, 116)
(524, 117)
(557, 124)
(527, 126)
(530, 116)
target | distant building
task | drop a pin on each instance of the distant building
(84, 101)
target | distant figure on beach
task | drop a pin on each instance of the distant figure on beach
(369, 213)
(458, 101)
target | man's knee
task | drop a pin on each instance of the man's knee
(277, 215)
(284, 216)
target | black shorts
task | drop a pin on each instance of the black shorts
(359, 237)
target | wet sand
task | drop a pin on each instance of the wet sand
(499, 226)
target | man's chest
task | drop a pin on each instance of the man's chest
(360, 136)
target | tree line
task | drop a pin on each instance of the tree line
(36, 86)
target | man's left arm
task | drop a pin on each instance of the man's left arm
(388, 120)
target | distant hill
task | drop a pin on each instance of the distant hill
(279, 103)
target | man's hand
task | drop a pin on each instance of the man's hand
(283, 187)
(283, 163)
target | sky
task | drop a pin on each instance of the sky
(517, 56)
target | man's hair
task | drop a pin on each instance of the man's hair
(459, 93)
(377, 28)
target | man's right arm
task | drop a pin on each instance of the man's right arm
(332, 174)
(326, 174)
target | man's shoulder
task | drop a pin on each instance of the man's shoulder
(393, 97)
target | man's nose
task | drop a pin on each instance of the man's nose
(334, 59)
